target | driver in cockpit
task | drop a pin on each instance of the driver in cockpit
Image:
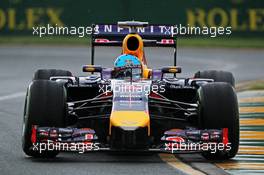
(127, 66)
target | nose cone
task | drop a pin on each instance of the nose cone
(129, 120)
(129, 129)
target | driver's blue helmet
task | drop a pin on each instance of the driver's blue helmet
(127, 60)
(126, 63)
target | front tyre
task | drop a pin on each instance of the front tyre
(45, 105)
(219, 109)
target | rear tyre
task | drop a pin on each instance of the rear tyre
(219, 109)
(45, 105)
(45, 74)
(217, 76)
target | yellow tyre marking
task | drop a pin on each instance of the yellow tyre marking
(251, 122)
(176, 163)
(259, 109)
(252, 100)
(241, 165)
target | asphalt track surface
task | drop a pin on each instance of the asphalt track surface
(17, 65)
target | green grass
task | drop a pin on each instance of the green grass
(232, 42)
(223, 42)
(54, 40)
(257, 86)
(250, 85)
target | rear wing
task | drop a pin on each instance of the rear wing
(152, 35)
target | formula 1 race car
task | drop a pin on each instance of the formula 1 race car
(131, 107)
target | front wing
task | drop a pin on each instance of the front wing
(190, 140)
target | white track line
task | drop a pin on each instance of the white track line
(12, 96)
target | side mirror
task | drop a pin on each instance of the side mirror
(171, 69)
(92, 68)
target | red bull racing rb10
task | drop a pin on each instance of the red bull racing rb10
(131, 107)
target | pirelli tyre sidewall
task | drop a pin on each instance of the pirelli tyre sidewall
(45, 74)
(219, 109)
(217, 76)
(45, 105)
